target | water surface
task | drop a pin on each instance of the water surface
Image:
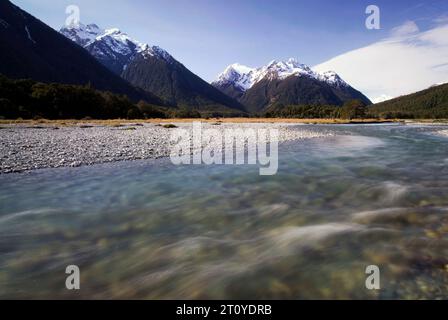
(370, 195)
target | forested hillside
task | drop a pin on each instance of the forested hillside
(431, 103)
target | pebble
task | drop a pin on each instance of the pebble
(24, 148)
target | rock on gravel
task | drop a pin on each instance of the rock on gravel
(23, 148)
(443, 133)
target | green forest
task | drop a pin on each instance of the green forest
(354, 109)
(431, 103)
(28, 99)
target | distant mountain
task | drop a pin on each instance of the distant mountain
(113, 48)
(31, 49)
(284, 83)
(150, 68)
(431, 103)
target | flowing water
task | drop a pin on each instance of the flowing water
(370, 195)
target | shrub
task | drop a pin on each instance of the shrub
(184, 113)
(8, 109)
(151, 112)
(134, 113)
(354, 109)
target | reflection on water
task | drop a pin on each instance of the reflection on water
(370, 195)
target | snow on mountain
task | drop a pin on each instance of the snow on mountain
(151, 68)
(239, 75)
(332, 78)
(82, 34)
(156, 51)
(29, 35)
(244, 77)
(283, 69)
(112, 46)
(119, 42)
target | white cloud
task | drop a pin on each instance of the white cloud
(407, 28)
(443, 19)
(382, 98)
(406, 62)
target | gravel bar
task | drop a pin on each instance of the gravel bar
(24, 148)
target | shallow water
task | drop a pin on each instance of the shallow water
(371, 195)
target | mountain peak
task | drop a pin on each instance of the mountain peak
(332, 78)
(113, 31)
(240, 68)
(33, 50)
(272, 63)
(81, 33)
(243, 77)
(81, 26)
(284, 69)
(86, 35)
(113, 47)
(237, 74)
(160, 53)
(284, 82)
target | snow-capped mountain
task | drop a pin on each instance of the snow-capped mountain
(149, 67)
(29, 49)
(284, 82)
(82, 34)
(244, 77)
(238, 75)
(332, 78)
(112, 47)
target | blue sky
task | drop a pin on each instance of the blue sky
(208, 35)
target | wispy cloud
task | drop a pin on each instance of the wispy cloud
(407, 28)
(441, 20)
(382, 98)
(408, 61)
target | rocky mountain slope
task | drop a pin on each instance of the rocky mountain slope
(31, 49)
(150, 68)
(284, 83)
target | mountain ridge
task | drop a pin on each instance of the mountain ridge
(258, 88)
(31, 49)
(431, 103)
(151, 68)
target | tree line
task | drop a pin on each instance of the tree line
(353, 109)
(431, 103)
(28, 99)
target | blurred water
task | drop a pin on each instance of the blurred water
(150, 230)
